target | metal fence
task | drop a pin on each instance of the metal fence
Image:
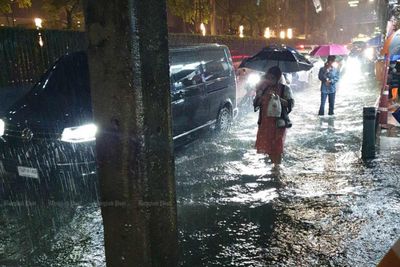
(26, 54)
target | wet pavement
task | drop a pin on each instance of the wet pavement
(325, 207)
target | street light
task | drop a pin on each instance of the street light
(282, 35)
(203, 29)
(38, 23)
(289, 33)
(241, 29)
(267, 33)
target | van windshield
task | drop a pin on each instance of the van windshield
(64, 88)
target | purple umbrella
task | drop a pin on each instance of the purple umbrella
(330, 50)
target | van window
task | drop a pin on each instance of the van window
(185, 70)
(215, 64)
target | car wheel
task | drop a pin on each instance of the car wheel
(224, 120)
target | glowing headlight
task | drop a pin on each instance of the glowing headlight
(369, 53)
(84, 133)
(353, 63)
(253, 79)
(2, 128)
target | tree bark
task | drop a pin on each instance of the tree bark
(213, 28)
(69, 18)
(129, 72)
(306, 30)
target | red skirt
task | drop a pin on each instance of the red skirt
(270, 138)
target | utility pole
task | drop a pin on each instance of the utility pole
(129, 72)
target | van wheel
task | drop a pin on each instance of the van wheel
(224, 120)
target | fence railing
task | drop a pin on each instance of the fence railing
(26, 54)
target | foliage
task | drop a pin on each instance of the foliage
(6, 6)
(63, 13)
(254, 15)
(193, 12)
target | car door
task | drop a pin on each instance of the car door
(187, 91)
(217, 73)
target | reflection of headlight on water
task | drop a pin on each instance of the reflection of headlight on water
(253, 79)
(2, 128)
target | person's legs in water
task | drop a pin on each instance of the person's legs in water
(322, 107)
(276, 159)
(331, 103)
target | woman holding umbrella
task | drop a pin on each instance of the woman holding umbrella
(271, 136)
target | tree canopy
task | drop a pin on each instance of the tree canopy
(7, 7)
(66, 14)
(192, 12)
(254, 15)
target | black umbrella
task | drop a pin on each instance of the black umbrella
(286, 58)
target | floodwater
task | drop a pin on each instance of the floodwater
(324, 207)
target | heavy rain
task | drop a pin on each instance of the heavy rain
(324, 205)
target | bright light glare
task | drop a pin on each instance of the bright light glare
(84, 133)
(253, 79)
(203, 29)
(369, 53)
(38, 22)
(282, 35)
(241, 29)
(41, 41)
(290, 33)
(2, 127)
(352, 70)
(267, 33)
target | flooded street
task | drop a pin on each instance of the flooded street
(325, 207)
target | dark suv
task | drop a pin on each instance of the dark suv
(48, 136)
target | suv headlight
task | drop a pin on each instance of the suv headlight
(80, 134)
(2, 127)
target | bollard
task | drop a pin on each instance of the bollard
(369, 133)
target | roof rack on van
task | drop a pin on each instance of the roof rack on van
(196, 45)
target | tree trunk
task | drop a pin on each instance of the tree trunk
(213, 24)
(231, 29)
(69, 19)
(8, 20)
(306, 6)
(12, 15)
(129, 72)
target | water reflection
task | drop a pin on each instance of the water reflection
(234, 209)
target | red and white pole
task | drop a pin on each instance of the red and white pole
(384, 99)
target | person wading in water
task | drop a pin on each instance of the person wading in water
(270, 135)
